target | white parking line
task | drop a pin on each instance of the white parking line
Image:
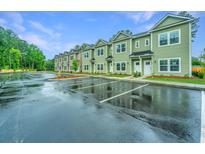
(98, 84)
(203, 117)
(79, 83)
(105, 100)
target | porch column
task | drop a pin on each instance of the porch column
(140, 65)
(130, 62)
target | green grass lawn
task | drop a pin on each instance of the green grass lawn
(182, 80)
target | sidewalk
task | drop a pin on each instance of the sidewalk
(173, 84)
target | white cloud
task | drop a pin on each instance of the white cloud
(44, 29)
(140, 17)
(35, 39)
(3, 22)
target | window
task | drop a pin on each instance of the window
(71, 57)
(100, 52)
(99, 67)
(118, 48)
(163, 65)
(86, 55)
(163, 39)
(86, 67)
(146, 42)
(174, 65)
(121, 66)
(169, 65)
(118, 66)
(121, 47)
(137, 44)
(174, 37)
(169, 38)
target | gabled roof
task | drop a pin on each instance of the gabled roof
(101, 40)
(171, 15)
(127, 33)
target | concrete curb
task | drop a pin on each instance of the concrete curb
(203, 117)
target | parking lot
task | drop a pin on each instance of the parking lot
(97, 110)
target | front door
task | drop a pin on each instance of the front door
(137, 66)
(110, 68)
(147, 67)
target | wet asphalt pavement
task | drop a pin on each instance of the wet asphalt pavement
(35, 109)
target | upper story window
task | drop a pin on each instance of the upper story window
(146, 42)
(121, 47)
(174, 37)
(137, 44)
(86, 55)
(169, 38)
(71, 57)
(163, 39)
(100, 52)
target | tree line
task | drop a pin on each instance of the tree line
(16, 53)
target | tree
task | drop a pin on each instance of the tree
(194, 24)
(49, 65)
(75, 65)
(14, 58)
(16, 53)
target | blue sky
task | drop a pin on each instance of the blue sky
(55, 32)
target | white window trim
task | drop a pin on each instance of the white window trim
(97, 66)
(120, 66)
(168, 65)
(86, 52)
(168, 38)
(138, 44)
(96, 50)
(120, 45)
(145, 42)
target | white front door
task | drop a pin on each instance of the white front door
(111, 70)
(137, 66)
(147, 67)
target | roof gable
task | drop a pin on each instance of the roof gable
(121, 36)
(169, 20)
(101, 42)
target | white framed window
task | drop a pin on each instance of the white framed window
(146, 42)
(100, 52)
(137, 44)
(86, 67)
(121, 47)
(99, 67)
(121, 66)
(86, 55)
(169, 38)
(169, 65)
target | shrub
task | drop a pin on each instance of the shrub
(201, 75)
(137, 74)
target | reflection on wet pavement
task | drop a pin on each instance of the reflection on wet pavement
(34, 109)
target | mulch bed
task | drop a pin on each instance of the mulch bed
(176, 77)
(66, 77)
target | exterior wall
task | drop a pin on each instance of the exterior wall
(100, 59)
(121, 57)
(86, 61)
(169, 21)
(172, 51)
(142, 44)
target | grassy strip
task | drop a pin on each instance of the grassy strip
(180, 80)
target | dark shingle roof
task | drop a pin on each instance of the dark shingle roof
(142, 53)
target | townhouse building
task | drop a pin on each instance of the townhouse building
(165, 49)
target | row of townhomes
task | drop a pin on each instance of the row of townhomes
(163, 50)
